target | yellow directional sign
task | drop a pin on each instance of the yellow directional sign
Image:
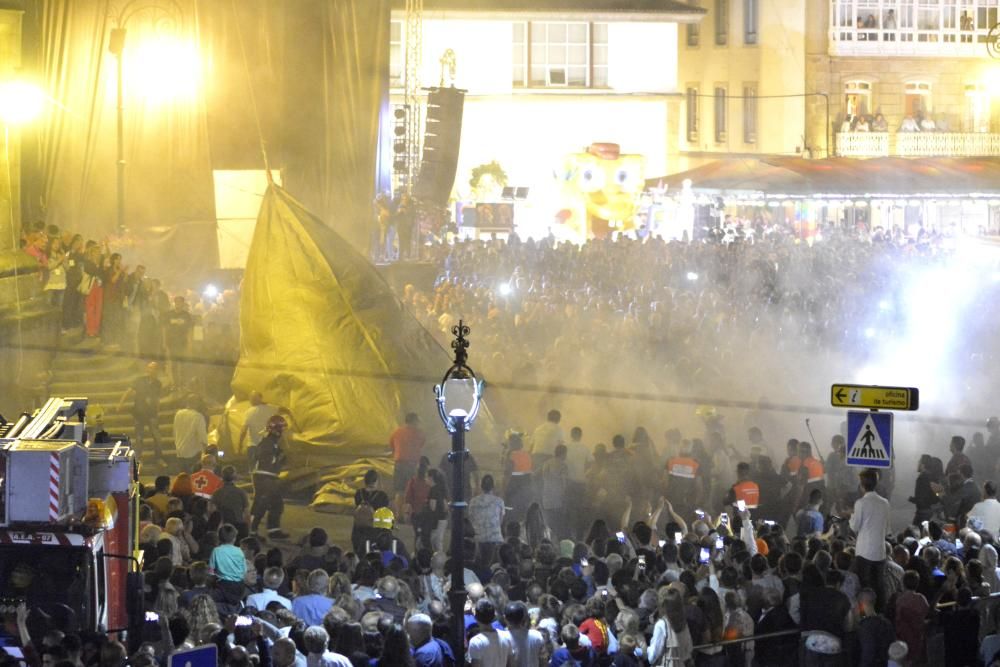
(874, 397)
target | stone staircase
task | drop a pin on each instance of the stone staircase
(84, 369)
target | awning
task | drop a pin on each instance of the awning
(842, 177)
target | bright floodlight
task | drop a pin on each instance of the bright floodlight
(883, 305)
(163, 68)
(506, 289)
(20, 102)
(869, 332)
(211, 292)
(691, 275)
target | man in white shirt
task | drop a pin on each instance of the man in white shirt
(190, 436)
(527, 642)
(273, 576)
(870, 522)
(317, 640)
(545, 438)
(491, 647)
(988, 509)
(255, 420)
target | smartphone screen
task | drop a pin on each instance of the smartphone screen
(663, 543)
(741, 506)
(678, 537)
(768, 523)
(621, 536)
(584, 562)
(703, 557)
(642, 561)
(243, 620)
(152, 616)
(719, 543)
(700, 512)
(724, 518)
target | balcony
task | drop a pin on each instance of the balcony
(928, 28)
(918, 144)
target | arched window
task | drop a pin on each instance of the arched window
(858, 98)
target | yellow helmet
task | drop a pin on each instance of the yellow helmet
(383, 518)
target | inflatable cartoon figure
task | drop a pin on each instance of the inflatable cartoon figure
(600, 190)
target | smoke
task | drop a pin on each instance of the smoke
(774, 325)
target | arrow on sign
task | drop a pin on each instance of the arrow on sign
(840, 394)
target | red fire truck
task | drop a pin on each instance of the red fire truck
(68, 518)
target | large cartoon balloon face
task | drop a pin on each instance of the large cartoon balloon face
(607, 186)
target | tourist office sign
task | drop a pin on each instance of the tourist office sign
(869, 432)
(874, 397)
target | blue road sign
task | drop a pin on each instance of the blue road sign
(202, 656)
(869, 439)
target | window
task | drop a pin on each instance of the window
(693, 30)
(599, 55)
(721, 22)
(720, 114)
(692, 114)
(750, 21)
(977, 108)
(750, 113)
(559, 54)
(397, 62)
(986, 17)
(917, 98)
(857, 98)
(519, 54)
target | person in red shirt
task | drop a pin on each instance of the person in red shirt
(407, 443)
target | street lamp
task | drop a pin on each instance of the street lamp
(458, 399)
(168, 9)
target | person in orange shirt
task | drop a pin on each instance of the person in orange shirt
(744, 489)
(811, 472)
(407, 443)
(518, 466)
(683, 480)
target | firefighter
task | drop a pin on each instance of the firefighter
(268, 460)
(744, 489)
(384, 541)
(684, 480)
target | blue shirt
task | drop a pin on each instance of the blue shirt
(228, 562)
(584, 657)
(428, 655)
(810, 522)
(311, 608)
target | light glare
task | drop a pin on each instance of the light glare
(20, 102)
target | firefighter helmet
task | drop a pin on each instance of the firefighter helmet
(277, 423)
(384, 518)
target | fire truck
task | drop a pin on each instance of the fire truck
(69, 518)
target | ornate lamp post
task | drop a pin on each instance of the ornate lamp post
(458, 399)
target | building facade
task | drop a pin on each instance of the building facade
(916, 75)
(742, 71)
(544, 83)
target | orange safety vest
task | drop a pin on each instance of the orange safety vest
(682, 466)
(748, 492)
(520, 461)
(814, 469)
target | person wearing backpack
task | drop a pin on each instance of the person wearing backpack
(366, 500)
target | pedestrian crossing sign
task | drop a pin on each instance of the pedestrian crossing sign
(869, 439)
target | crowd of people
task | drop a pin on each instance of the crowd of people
(699, 546)
(637, 555)
(123, 309)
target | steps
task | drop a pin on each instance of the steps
(102, 376)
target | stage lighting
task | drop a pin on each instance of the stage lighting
(210, 292)
(869, 332)
(506, 289)
(20, 102)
